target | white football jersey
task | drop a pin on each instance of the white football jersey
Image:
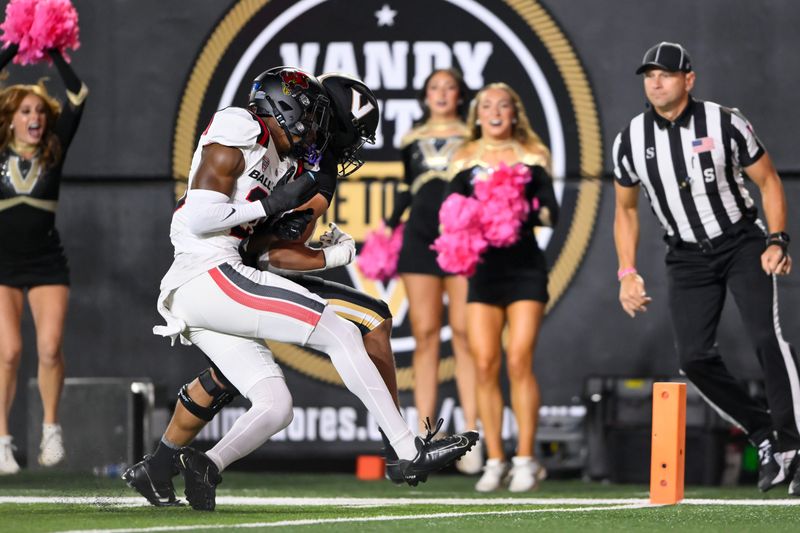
(264, 168)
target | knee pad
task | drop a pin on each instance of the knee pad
(220, 397)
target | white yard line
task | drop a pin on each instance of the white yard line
(387, 502)
(587, 505)
(389, 518)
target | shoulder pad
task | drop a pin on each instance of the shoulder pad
(234, 126)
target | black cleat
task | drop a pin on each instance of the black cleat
(394, 474)
(156, 487)
(771, 468)
(200, 477)
(432, 455)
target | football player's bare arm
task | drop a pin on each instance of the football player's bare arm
(219, 168)
(296, 256)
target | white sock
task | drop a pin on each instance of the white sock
(342, 341)
(271, 412)
(49, 429)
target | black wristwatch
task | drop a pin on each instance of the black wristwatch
(780, 238)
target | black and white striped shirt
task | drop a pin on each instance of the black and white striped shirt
(691, 168)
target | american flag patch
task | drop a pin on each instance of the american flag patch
(704, 144)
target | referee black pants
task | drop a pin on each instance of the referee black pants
(698, 282)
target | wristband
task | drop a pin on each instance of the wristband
(621, 273)
(780, 238)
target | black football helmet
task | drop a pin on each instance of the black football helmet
(355, 119)
(301, 106)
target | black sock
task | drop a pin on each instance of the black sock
(388, 451)
(757, 437)
(162, 462)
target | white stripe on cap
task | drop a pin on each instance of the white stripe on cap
(658, 51)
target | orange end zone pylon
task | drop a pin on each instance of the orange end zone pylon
(669, 443)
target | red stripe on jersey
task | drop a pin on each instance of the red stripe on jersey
(209, 126)
(263, 137)
(270, 305)
(181, 202)
(299, 169)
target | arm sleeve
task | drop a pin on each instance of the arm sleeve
(542, 189)
(402, 199)
(748, 145)
(624, 172)
(77, 92)
(71, 81)
(7, 54)
(326, 177)
(402, 194)
(210, 211)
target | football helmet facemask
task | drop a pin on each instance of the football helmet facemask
(301, 106)
(355, 119)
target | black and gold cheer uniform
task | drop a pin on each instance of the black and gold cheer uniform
(30, 248)
(426, 156)
(517, 272)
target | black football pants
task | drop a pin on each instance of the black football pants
(698, 280)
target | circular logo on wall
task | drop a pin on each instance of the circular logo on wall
(393, 46)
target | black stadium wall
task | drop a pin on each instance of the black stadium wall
(142, 61)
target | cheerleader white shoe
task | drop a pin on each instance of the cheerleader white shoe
(51, 451)
(493, 473)
(8, 465)
(525, 474)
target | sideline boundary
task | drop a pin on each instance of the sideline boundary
(131, 501)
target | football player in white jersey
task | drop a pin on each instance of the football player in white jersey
(244, 172)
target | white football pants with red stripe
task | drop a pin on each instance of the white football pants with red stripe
(230, 309)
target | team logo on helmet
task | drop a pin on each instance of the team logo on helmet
(292, 79)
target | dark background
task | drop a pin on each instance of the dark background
(117, 195)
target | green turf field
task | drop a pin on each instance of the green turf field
(340, 503)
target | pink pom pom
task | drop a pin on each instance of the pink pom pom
(38, 26)
(459, 252)
(378, 257)
(459, 246)
(500, 227)
(504, 205)
(17, 26)
(459, 212)
(492, 217)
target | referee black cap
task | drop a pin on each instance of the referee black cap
(671, 57)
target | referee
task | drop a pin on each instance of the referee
(689, 155)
